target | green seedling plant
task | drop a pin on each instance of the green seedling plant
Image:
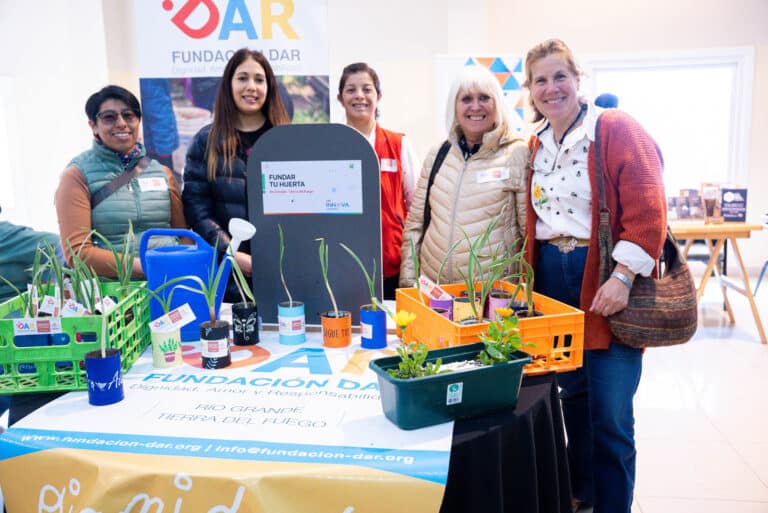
(28, 308)
(417, 269)
(498, 260)
(413, 356)
(502, 339)
(413, 362)
(445, 260)
(57, 271)
(207, 288)
(124, 259)
(370, 279)
(240, 280)
(282, 261)
(525, 277)
(322, 252)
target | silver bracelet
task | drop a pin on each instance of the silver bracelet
(622, 278)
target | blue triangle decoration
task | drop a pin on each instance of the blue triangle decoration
(511, 83)
(470, 62)
(519, 66)
(498, 66)
(519, 112)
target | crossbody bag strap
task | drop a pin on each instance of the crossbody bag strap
(439, 158)
(118, 181)
(604, 235)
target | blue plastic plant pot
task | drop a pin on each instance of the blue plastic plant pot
(290, 317)
(105, 377)
(373, 328)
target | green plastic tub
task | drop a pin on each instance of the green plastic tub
(54, 362)
(420, 402)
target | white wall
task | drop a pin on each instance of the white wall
(56, 53)
(53, 56)
(605, 26)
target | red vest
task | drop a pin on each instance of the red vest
(388, 146)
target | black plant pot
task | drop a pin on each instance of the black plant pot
(245, 324)
(214, 339)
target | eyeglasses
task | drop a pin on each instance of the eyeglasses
(109, 117)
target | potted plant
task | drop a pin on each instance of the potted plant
(472, 307)
(290, 314)
(214, 333)
(444, 305)
(124, 260)
(245, 314)
(373, 320)
(336, 324)
(416, 391)
(165, 336)
(525, 282)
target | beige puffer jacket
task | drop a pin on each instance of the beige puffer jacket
(467, 194)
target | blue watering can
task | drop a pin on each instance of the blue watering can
(164, 263)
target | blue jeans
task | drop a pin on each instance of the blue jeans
(597, 399)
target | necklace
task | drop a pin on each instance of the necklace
(582, 110)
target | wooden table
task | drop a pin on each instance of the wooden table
(715, 236)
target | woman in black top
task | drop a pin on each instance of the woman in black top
(247, 104)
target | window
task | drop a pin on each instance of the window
(696, 105)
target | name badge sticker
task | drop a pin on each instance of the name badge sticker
(388, 166)
(493, 175)
(149, 184)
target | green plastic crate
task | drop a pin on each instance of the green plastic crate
(55, 362)
(430, 400)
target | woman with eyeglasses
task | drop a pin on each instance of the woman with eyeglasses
(247, 104)
(92, 196)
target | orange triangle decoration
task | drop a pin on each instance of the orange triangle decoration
(485, 61)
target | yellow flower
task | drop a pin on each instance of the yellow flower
(503, 312)
(537, 192)
(403, 319)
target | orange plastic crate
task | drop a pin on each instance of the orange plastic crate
(554, 340)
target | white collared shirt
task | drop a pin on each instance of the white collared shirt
(562, 195)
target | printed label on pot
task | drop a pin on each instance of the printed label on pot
(366, 330)
(453, 393)
(215, 348)
(176, 318)
(291, 325)
(31, 326)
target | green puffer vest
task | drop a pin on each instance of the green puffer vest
(144, 209)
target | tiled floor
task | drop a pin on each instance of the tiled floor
(702, 417)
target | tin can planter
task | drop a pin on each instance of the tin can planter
(446, 304)
(214, 339)
(429, 400)
(166, 348)
(497, 299)
(373, 327)
(291, 321)
(337, 330)
(245, 324)
(105, 377)
(462, 309)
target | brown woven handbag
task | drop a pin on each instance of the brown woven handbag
(660, 312)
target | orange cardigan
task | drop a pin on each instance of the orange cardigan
(635, 196)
